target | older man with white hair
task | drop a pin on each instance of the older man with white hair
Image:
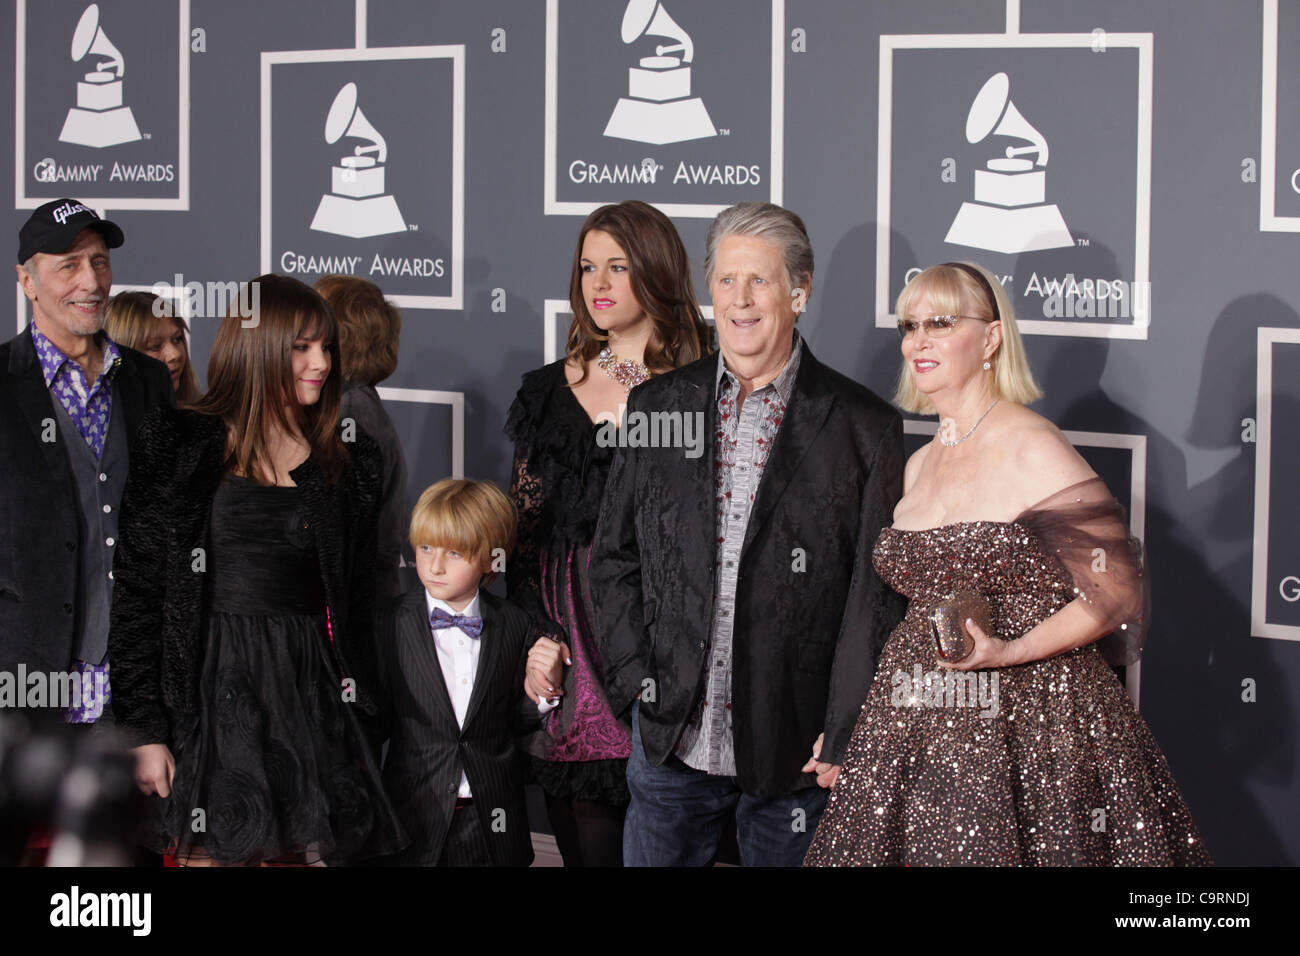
(737, 605)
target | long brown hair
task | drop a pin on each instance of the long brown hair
(133, 318)
(250, 376)
(660, 274)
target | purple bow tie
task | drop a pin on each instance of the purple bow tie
(438, 618)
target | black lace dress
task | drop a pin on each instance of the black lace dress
(559, 481)
(276, 762)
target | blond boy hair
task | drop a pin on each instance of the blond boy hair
(472, 517)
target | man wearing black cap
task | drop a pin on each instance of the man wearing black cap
(70, 402)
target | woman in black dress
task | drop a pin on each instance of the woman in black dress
(240, 627)
(634, 315)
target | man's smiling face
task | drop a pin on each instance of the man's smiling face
(69, 289)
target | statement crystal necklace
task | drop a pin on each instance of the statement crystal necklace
(949, 444)
(627, 373)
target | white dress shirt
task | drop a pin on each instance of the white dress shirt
(458, 658)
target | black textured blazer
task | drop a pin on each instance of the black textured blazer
(427, 749)
(155, 638)
(810, 610)
(38, 502)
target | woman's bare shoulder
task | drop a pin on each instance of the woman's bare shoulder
(1042, 457)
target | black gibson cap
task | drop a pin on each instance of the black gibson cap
(53, 227)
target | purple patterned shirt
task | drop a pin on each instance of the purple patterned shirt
(744, 442)
(89, 406)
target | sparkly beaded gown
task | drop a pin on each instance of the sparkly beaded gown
(1043, 764)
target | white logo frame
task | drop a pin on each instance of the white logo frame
(426, 396)
(454, 52)
(1267, 337)
(180, 203)
(1142, 42)
(1269, 220)
(776, 162)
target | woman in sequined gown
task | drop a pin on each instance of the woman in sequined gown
(1028, 752)
(634, 315)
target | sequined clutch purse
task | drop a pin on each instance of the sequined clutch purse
(947, 620)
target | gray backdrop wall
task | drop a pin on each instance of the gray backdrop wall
(1155, 147)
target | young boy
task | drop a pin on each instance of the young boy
(452, 663)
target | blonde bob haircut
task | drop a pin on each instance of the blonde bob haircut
(472, 517)
(952, 291)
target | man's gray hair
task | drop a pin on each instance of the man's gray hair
(771, 223)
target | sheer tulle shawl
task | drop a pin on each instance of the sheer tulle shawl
(1086, 529)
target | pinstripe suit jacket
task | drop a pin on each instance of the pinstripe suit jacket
(427, 749)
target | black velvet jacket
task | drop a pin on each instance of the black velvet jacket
(810, 610)
(155, 636)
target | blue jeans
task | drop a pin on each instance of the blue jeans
(677, 815)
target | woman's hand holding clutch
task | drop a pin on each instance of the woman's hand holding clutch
(989, 653)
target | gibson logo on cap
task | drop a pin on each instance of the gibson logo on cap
(63, 213)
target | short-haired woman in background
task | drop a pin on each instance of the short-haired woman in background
(370, 330)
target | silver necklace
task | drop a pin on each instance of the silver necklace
(949, 444)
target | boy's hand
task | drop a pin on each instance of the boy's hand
(545, 669)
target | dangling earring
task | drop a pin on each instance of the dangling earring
(987, 366)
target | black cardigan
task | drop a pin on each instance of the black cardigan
(155, 639)
(38, 502)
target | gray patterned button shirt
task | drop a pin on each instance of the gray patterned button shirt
(744, 442)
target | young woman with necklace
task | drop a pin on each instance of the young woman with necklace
(634, 315)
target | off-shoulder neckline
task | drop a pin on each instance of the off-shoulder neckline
(1017, 520)
(952, 524)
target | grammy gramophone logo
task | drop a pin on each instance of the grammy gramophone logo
(100, 118)
(659, 107)
(1010, 213)
(357, 204)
